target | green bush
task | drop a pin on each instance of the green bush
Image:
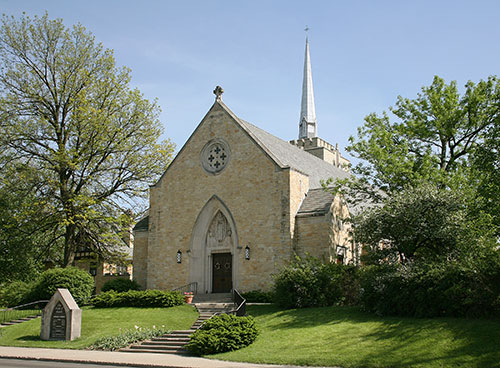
(120, 285)
(258, 296)
(310, 283)
(79, 283)
(223, 333)
(126, 338)
(452, 288)
(15, 293)
(136, 298)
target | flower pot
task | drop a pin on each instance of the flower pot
(188, 298)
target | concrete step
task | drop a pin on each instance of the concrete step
(164, 343)
(168, 338)
(170, 351)
(180, 332)
(212, 298)
(157, 347)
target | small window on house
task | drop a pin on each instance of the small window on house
(121, 270)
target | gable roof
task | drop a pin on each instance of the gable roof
(317, 202)
(142, 224)
(288, 155)
(284, 154)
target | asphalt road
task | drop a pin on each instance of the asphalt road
(22, 363)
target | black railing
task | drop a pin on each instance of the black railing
(22, 311)
(192, 287)
(240, 303)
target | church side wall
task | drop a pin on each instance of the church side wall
(340, 230)
(319, 236)
(140, 257)
(299, 185)
(314, 236)
(252, 187)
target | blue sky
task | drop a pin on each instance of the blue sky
(364, 54)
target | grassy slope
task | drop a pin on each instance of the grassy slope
(97, 323)
(346, 337)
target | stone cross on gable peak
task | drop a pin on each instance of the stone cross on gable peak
(218, 91)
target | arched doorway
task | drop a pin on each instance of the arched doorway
(214, 249)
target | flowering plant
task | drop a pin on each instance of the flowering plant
(188, 293)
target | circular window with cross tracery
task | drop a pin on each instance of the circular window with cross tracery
(215, 156)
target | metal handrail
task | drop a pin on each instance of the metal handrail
(21, 311)
(192, 287)
(240, 303)
(24, 305)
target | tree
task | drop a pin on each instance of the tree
(420, 223)
(67, 112)
(486, 170)
(432, 138)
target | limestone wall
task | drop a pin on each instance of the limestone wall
(321, 235)
(140, 257)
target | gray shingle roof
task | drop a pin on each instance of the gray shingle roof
(143, 224)
(286, 154)
(317, 201)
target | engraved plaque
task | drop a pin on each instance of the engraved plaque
(58, 323)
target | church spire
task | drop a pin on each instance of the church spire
(307, 123)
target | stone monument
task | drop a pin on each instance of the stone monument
(61, 317)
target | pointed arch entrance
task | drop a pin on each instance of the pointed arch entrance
(214, 249)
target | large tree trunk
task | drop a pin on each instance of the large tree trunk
(69, 245)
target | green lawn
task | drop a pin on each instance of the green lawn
(346, 337)
(99, 322)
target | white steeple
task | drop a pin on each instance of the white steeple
(307, 122)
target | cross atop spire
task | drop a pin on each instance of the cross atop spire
(307, 122)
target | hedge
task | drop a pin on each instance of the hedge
(136, 298)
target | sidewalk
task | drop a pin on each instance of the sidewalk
(124, 359)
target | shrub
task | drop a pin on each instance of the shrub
(15, 293)
(126, 338)
(120, 285)
(136, 298)
(310, 283)
(258, 296)
(79, 283)
(451, 288)
(223, 333)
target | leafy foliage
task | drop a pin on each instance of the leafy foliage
(453, 288)
(432, 138)
(24, 224)
(223, 333)
(126, 338)
(79, 283)
(419, 222)
(486, 170)
(69, 114)
(15, 293)
(120, 285)
(311, 283)
(136, 298)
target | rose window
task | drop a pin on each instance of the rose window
(215, 156)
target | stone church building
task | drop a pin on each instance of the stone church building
(237, 203)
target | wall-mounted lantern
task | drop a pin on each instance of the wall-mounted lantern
(341, 254)
(247, 252)
(179, 256)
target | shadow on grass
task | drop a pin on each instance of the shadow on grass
(402, 342)
(29, 338)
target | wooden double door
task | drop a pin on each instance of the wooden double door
(222, 272)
